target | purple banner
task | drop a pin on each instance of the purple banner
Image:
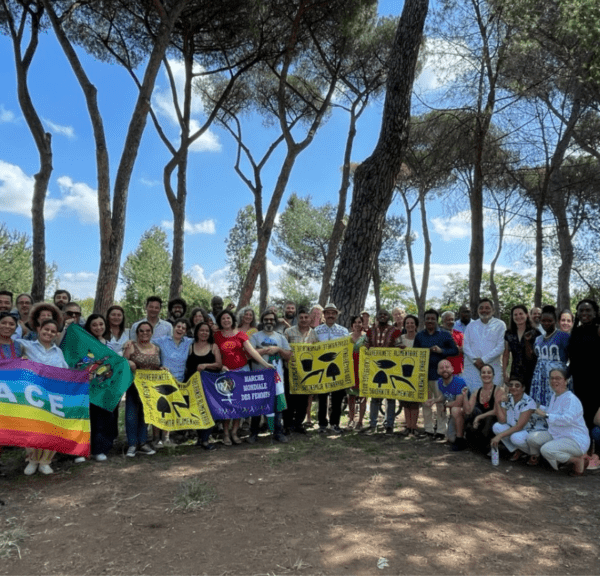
(239, 394)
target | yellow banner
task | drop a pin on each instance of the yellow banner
(322, 367)
(394, 373)
(172, 405)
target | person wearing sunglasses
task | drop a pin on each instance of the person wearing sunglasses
(513, 412)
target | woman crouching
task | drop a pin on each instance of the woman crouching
(567, 438)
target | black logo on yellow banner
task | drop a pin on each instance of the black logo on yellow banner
(383, 377)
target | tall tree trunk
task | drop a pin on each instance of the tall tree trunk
(377, 286)
(375, 178)
(264, 286)
(112, 222)
(338, 225)
(42, 139)
(539, 250)
(266, 229)
(565, 245)
(476, 251)
(178, 231)
(422, 300)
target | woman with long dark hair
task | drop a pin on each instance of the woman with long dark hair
(203, 355)
(104, 425)
(115, 333)
(518, 343)
(235, 348)
(142, 355)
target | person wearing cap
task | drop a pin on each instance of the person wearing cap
(365, 319)
(330, 331)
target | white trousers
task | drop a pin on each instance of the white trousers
(517, 440)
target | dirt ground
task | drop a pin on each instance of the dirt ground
(317, 505)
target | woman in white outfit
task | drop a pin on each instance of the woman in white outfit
(513, 411)
(567, 438)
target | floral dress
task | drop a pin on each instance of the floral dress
(551, 352)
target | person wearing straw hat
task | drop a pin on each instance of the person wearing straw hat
(330, 331)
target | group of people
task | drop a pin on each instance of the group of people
(529, 388)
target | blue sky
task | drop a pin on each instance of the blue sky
(215, 192)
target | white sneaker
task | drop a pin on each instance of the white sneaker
(79, 460)
(45, 469)
(31, 468)
(131, 452)
(100, 457)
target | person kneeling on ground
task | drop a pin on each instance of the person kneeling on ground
(450, 394)
(567, 438)
(513, 410)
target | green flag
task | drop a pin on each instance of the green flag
(111, 372)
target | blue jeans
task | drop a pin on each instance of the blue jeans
(390, 412)
(135, 426)
(595, 434)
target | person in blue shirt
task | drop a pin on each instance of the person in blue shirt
(441, 345)
(450, 397)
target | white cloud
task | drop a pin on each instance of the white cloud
(149, 183)
(67, 131)
(80, 284)
(79, 198)
(162, 100)
(454, 227)
(204, 227)
(16, 194)
(16, 190)
(444, 62)
(216, 282)
(6, 115)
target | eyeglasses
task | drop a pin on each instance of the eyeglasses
(515, 385)
(72, 313)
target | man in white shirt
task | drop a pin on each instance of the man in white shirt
(161, 327)
(483, 344)
(330, 331)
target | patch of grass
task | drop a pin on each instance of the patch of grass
(11, 536)
(288, 453)
(193, 493)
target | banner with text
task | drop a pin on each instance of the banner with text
(109, 373)
(44, 407)
(172, 405)
(394, 373)
(322, 367)
(240, 394)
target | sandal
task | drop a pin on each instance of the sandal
(593, 462)
(533, 460)
(235, 439)
(516, 455)
(227, 440)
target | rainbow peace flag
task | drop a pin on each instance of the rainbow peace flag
(44, 407)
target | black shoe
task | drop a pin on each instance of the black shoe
(252, 439)
(459, 445)
(280, 437)
(439, 437)
(207, 446)
(300, 430)
(389, 430)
